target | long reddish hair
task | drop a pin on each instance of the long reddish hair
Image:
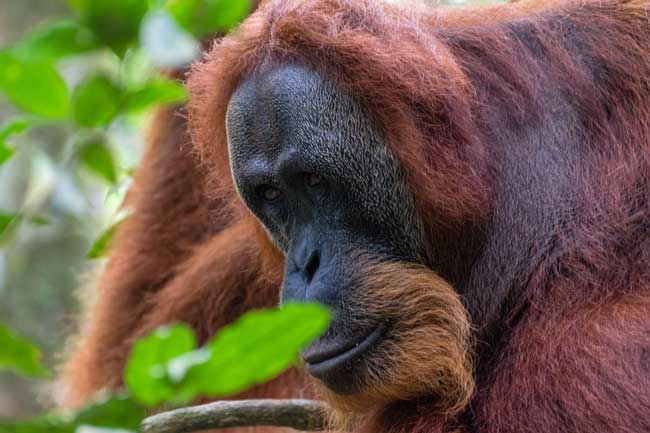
(378, 54)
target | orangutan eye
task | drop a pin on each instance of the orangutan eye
(313, 180)
(269, 193)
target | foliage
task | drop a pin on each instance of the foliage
(102, 243)
(31, 77)
(114, 80)
(33, 85)
(14, 127)
(167, 367)
(19, 355)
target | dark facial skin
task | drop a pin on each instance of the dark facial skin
(309, 164)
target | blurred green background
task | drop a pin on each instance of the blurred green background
(41, 267)
(68, 204)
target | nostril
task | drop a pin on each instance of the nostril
(312, 266)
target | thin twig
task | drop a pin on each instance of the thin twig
(306, 415)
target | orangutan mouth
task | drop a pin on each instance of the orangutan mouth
(335, 362)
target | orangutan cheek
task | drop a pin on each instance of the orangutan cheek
(426, 348)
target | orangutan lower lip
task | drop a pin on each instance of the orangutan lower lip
(323, 361)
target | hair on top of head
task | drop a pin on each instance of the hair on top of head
(377, 53)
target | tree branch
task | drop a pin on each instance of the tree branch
(306, 415)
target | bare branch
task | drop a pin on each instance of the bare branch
(306, 415)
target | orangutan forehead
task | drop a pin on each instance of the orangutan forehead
(295, 116)
(299, 107)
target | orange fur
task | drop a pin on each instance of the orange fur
(426, 352)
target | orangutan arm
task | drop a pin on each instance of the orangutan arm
(577, 370)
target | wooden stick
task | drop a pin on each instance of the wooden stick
(306, 415)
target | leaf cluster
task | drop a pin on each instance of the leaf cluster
(139, 37)
(168, 367)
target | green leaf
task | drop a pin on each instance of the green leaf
(145, 373)
(183, 11)
(15, 126)
(34, 86)
(38, 220)
(5, 153)
(113, 412)
(136, 69)
(42, 424)
(115, 22)
(202, 17)
(161, 91)
(163, 367)
(96, 156)
(59, 40)
(118, 414)
(257, 348)
(6, 221)
(79, 6)
(226, 14)
(100, 245)
(96, 101)
(19, 355)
